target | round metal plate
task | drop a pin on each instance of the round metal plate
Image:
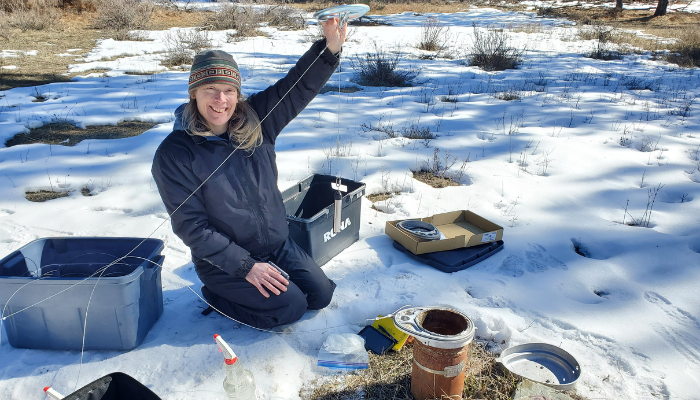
(349, 11)
(543, 363)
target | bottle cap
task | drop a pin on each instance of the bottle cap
(229, 356)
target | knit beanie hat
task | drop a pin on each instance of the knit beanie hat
(214, 66)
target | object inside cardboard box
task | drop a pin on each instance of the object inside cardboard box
(460, 228)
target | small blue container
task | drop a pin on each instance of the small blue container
(127, 297)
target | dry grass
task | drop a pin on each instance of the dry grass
(41, 196)
(75, 29)
(68, 135)
(375, 197)
(628, 19)
(435, 181)
(165, 18)
(686, 51)
(389, 378)
(680, 27)
(342, 89)
(385, 8)
(73, 32)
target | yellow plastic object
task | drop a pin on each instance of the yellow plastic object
(386, 325)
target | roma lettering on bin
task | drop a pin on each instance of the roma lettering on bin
(330, 235)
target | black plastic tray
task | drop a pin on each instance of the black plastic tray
(458, 259)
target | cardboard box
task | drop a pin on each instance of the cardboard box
(461, 229)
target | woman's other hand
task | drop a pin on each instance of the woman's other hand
(265, 276)
(335, 37)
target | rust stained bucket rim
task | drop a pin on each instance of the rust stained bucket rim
(407, 321)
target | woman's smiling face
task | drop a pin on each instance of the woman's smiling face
(216, 102)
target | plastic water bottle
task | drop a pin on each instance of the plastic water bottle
(239, 383)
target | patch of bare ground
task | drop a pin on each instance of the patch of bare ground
(431, 179)
(676, 32)
(375, 197)
(41, 196)
(389, 378)
(387, 8)
(67, 134)
(72, 31)
(336, 89)
(667, 26)
(166, 18)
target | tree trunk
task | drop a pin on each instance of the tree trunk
(661, 8)
(618, 4)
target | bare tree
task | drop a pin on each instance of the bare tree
(618, 5)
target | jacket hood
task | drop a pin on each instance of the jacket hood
(179, 124)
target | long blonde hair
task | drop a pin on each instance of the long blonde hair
(243, 127)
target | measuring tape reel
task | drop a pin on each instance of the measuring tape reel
(419, 229)
(346, 11)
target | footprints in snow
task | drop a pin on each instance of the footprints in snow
(686, 344)
(589, 251)
(540, 262)
(112, 210)
(695, 246)
(676, 314)
(536, 261)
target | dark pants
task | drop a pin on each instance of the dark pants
(309, 288)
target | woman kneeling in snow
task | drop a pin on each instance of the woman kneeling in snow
(235, 223)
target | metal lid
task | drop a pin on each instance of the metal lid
(543, 363)
(348, 11)
(439, 327)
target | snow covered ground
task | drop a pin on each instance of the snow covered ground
(556, 167)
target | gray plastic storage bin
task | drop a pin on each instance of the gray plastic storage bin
(127, 298)
(310, 207)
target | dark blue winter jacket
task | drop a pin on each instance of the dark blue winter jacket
(238, 214)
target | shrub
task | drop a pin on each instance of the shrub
(245, 20)
(379, 68)
(415, 131)
(123, 15)
(434, 35)
(183, 44)
(604, 35)
(283, 17)
(634, 83)
(492, 50)
(36, 18)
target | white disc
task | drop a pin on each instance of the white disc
(349, 11)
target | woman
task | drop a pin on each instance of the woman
(235, 224)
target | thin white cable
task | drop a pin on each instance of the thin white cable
(188, 197)
(251, 326)
(228, 157)
(2, 315)
(55, 294)
(166, 220)
(82, 346)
